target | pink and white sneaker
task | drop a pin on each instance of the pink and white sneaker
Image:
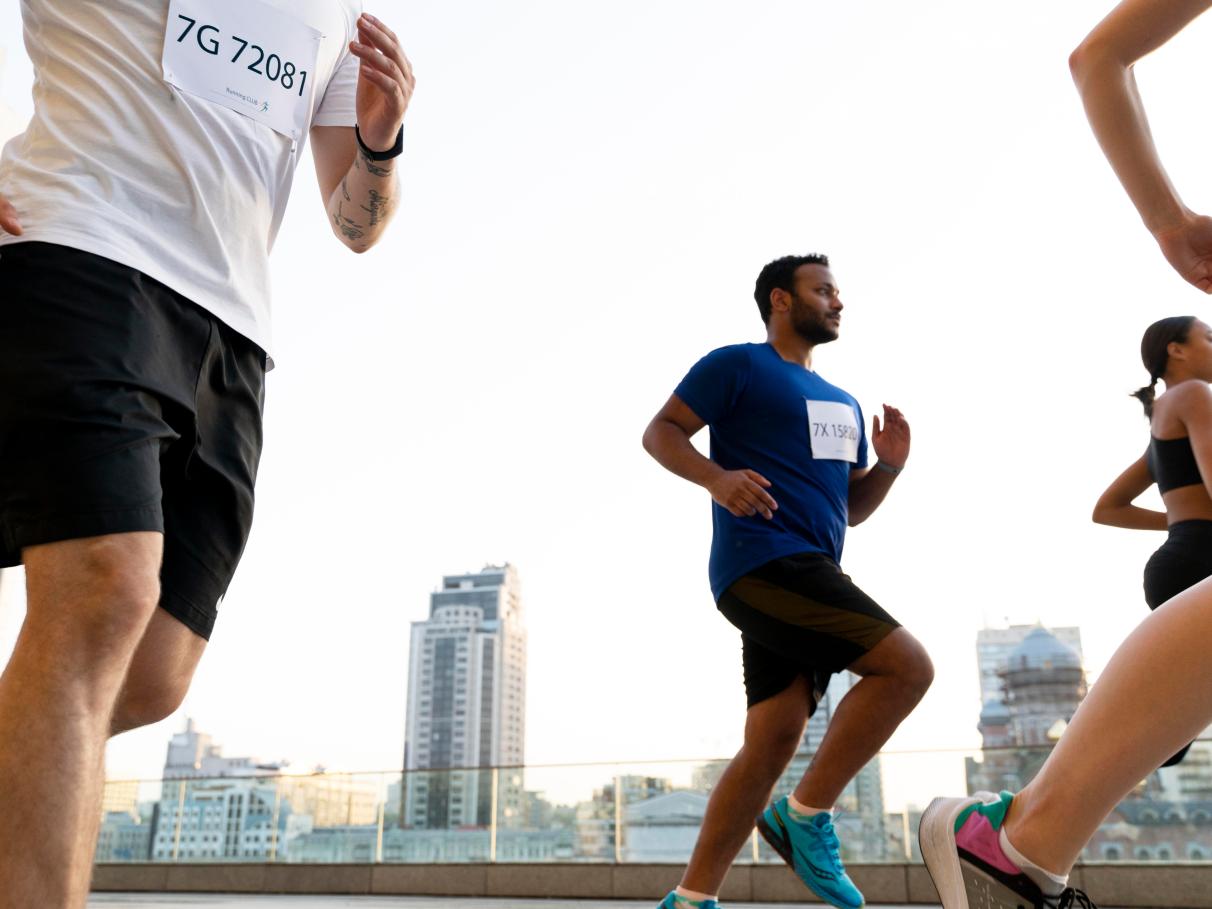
(961, 845)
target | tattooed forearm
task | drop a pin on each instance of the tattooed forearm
(348, 227)
(374, 168)
(379, 207)
(369, 187)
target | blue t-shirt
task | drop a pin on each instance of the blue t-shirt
(802, 434)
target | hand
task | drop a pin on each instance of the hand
(743, 493)
(891, 442)
(1188, 247)
(8, 218)
(385, 83)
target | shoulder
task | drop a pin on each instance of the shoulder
(1190, 396)
(733, 356)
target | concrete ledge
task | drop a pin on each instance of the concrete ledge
(1169, 886)
(428, 880)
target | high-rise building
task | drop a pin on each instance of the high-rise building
(466, 704)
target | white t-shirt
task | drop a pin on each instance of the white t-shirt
(119, 163)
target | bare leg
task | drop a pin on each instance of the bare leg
(895, 675)
(89, 602)
(1154, 696)
(773, 729)
(159, 674)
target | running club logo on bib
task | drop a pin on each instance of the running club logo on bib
(834, 431)
(245, 55)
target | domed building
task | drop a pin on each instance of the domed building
(994, 725)
(1044, 683)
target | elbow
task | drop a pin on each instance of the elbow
(1101, 514)
(1078, 61)
(648, 440)
(1091, 56)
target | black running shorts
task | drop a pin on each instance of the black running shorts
(1183, 561)
(124, 407)
(801, 616)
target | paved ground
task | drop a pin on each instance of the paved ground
(198, 901)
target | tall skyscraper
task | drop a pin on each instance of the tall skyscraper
(466, 703)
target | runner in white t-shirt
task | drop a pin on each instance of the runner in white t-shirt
(137, 212)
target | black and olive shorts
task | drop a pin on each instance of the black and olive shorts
(801, 616)
(124, 407)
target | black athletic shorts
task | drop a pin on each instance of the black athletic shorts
(124, 407)
(801, 616)
(1183, 561)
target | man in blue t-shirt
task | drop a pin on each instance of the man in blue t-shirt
(788, 472)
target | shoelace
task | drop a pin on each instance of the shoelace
(832, 843)
(1071, 898)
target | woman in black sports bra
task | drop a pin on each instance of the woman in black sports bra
(1178, 352)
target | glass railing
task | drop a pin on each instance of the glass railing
(642, 812)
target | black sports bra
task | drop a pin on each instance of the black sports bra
(1172, 463)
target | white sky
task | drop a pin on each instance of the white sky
(590, 191)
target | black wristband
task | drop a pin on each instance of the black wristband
(394, 152)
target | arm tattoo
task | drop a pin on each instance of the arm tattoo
(379, 207)
(345, 188)
(374, 168)
(349, 228)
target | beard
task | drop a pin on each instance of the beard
(810, 324)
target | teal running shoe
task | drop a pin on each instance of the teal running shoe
(672, 901)
(811, 848)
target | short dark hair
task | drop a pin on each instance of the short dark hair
(1155, 353)
(781, 273)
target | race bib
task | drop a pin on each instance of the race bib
(245, 55)
(834, 431)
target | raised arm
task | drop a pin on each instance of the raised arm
(1102, 68)
(869, 488)
(667, 439)
(1114, 507)
(359, 192)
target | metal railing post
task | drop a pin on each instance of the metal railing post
(492, 828)
(618, 820)
(273, 823)
(180, 813)
(379, 834)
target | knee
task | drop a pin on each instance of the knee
(918, 673)
(143, 705)
(100, 596)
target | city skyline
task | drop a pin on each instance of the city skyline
(477, 389)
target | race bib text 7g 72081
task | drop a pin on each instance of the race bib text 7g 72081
(244, 55)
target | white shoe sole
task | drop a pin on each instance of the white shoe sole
(960, 885)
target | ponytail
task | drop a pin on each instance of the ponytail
(1147, 394)
(1155, 353)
